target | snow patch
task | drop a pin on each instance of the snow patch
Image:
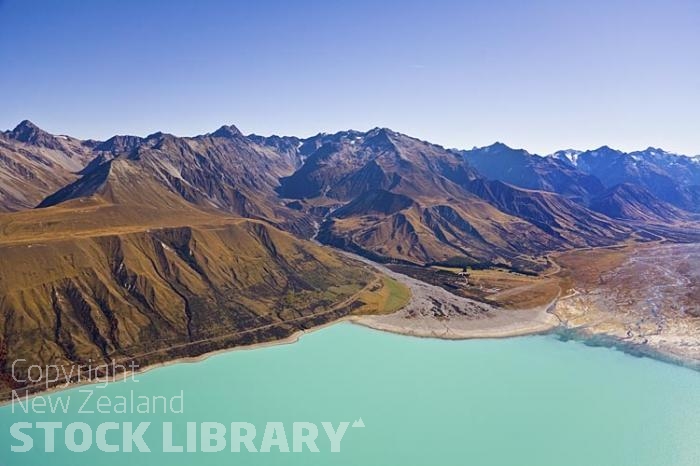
(569, 154)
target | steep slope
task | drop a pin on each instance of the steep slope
(567, 221)
(669, 177)
(286, 146)
(378, 202)
(223, 170)
(398, 198)
(34, 164)
(92, 280)
(685, 170)
(345, 164)
(439, 233)
(633, 202)
(520, 168)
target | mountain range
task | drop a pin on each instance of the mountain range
(379, 193)
(138, 245)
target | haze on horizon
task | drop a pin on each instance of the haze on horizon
(543, 76)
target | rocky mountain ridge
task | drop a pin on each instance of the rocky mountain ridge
(383, 193)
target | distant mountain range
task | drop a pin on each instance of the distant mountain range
(379, 193)
(583, 175)
(669, 177)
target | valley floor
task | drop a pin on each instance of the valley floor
(435, 312)
(644, 299)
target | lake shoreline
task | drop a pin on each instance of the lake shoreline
(415, 328)
(499, 331)
(470, 389)
(433, 312)
(486, 321)
(123, 376)
(601, 340)
(501, 324)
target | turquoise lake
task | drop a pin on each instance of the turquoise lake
(532, 401)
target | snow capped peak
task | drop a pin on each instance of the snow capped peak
(568, 155)
(655, 151)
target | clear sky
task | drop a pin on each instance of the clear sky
(542, 75)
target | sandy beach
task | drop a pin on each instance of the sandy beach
(502, 324)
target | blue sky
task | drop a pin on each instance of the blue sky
(541, 75)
